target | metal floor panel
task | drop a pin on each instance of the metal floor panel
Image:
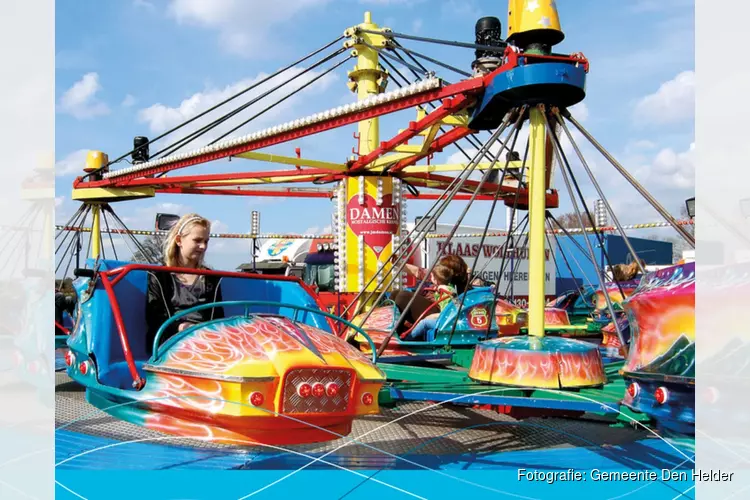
(414, 429)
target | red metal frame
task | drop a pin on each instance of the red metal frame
(449, 107)
(62, 328)
(138, 382)
(436, 146)
(514, 59)
(466, 86)
(302, 194)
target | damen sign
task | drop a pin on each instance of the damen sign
(375, 223)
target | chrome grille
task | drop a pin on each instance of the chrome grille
(293, 403)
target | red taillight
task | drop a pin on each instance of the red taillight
(332, 389)
(256, 399)
(633, 390)
(69, 358)
(304, 390)
(318, 390)
(84, 367)
(367, 399)
(661, 395)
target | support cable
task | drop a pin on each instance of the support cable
(565, 165)
(212, 108)
(690, 239)
(435, 61)
(486, 228)
(334, 67)
(599, 274)
(439, 206)
(487, 147)
(174, 147)
(392, 34)
(599, 190)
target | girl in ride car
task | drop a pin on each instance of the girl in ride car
(172, 291)
(441, 276)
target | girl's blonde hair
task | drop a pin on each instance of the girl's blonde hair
(181, 228)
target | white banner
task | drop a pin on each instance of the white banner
(516, 269)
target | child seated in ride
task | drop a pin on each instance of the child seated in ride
(170, 292)
(444, 292)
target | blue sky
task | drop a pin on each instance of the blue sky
(133, 67)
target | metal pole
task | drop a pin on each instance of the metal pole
(537, 226)
(657, 206)
(558, 153)
(598, 188)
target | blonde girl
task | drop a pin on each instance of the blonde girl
(173, 291)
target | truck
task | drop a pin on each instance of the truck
(279, 256)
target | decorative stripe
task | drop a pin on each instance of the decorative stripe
(138, 232)
(207, 376)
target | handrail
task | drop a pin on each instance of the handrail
(62, 328)
(138, 382)
(200, 307)
(119, 273)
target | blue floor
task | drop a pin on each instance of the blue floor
(644, 454)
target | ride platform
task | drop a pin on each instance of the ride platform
(453, 385)
(406, 435)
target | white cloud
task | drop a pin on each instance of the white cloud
(639, 146)
(71, 164)
(219, 227)
(59, 200)
(128, 101)
(673, 102)
(80, 100)
(460, 8)
(670, 168)
(143, 218)
(580, 111)
(161, 117)
(245, 28)
(317, 231)
(143, 4)
(416, 26)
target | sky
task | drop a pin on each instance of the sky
(138, 67)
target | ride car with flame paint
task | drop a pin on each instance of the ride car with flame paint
(269, 371)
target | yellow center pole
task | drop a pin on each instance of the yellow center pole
(361, 262)
(96, 235)
(537, 208)
(367, 85)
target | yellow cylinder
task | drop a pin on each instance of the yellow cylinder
(366, 75)
(95, 160)
(537, 191)
(533, 21)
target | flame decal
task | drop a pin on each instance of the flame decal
(662, 317)
(535, 362)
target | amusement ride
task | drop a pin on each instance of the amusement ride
(281, 368)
